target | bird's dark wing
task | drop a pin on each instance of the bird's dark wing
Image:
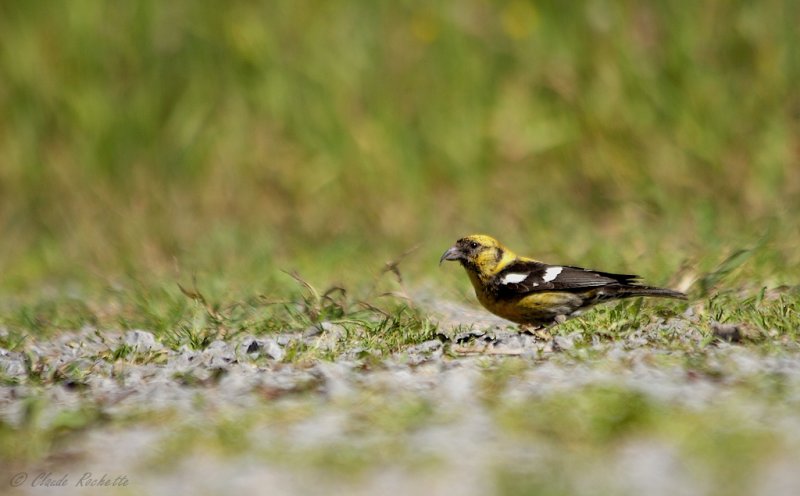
(522, 277)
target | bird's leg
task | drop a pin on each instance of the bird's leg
(537, 330)
(529, 329)
(543, 333)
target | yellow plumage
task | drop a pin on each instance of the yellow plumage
(530, 292)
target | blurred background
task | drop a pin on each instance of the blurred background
(150, 140)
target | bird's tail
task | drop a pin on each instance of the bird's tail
(634, 290)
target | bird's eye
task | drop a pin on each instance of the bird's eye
(473, 245)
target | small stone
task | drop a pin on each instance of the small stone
(463, 337)
(312, 331)
(218, 345)
(429, 346)
(183, 359)
(329, 339)
(253, 347)
(142, 341)
(266, 347)
(219, 354)
(326, 327)
(12, 364)
(273, 350)
(509, 340)
(731, 333)
(564, 342)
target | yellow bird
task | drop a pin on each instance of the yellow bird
(533, 293)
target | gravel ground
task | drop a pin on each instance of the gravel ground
(326, 427)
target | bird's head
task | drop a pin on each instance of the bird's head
(479, 253)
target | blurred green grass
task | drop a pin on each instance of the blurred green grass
(144, 142)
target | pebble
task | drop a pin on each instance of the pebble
(12, 364)
(273, 350)
(142, 341)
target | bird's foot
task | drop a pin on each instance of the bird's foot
(537, 331)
